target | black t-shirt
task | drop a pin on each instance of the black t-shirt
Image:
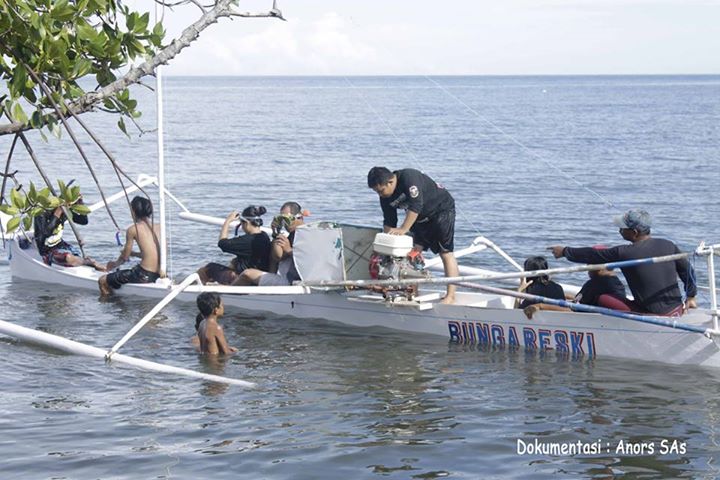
(251, 251)
(548, 290)
(418, 193)
(600, 285)
(653, 285)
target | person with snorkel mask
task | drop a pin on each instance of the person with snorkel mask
(281, 270)
(251, 250)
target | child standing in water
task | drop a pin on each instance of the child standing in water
(210, 334)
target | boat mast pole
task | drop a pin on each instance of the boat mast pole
(713, 293)
(161, 160)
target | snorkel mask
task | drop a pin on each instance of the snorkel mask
(281, 224)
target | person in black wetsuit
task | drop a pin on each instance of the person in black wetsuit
(48, 230)
(429, 217)
(251, 250)
(654, 286)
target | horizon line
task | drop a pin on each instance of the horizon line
(340, 75)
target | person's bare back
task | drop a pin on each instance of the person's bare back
(148, 240)
(212, 338)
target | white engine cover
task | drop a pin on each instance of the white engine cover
(392, 245)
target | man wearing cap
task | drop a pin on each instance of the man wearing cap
(654, 285)
(430, 213)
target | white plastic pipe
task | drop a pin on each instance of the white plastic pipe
(156, 309)
(77, 348)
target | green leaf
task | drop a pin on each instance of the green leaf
(27, 223)
(34, 212)
(9, 209)
(17, 84)
(81, 209)
(13, 224)
(18, 113)
(32, 194)
(62, 11)
(121, 126)
(63, 188)
(130, 21)
(17, 199)
(74, 194)
(85, 32)
(142, 23)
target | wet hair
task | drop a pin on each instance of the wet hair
(207, 302)
(254, 211)
(537, 263)
(378, 176)
(141, 207)
(294, 207)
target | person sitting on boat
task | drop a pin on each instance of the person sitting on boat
(210, 335)
(602, 289)
(654, 286)
(147, 237)
(282, 269)
(429, 217)
(48, 228)
(541, 286)
(251, 250)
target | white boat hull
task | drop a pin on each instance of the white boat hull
(476, 318)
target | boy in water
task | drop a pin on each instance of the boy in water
(210, 334)
(146, 235)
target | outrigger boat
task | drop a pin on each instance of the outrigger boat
(333, 261)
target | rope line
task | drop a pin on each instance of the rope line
(522, 146)
(405, 147)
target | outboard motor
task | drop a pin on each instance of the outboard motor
(395, 259)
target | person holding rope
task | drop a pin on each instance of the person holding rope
(430, 214)
(654, 286)
(146, 235)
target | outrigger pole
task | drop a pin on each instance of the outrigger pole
(579, 307)
(192, 278)
(502, 276)
(71, 346)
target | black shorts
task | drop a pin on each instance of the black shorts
(437, 233)
(220, 273)
(137, 274)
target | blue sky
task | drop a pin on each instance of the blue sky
(515, 37)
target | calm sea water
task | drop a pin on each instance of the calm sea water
(531, 161)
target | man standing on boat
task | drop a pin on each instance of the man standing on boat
(654, 285)
(430, 213)
(146, 235)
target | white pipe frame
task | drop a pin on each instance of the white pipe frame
(502, 276)
(192, 278)
(77, 348)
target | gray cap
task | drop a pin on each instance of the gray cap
(636, 219)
